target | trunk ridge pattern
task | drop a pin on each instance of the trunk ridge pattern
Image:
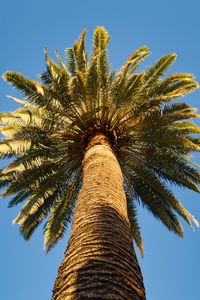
(100, 262)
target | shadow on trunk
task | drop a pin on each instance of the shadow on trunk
(105, 265)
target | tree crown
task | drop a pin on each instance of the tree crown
(150, 134)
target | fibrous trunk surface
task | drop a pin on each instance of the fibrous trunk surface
(100, 262)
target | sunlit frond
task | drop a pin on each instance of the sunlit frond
(71, 62)
(14, 147)
(100, 39)
(134, 60)
(80, 53)
(161, 66)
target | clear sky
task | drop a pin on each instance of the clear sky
(170, 265)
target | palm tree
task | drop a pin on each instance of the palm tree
(93, 143)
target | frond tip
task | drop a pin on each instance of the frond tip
(100, 39)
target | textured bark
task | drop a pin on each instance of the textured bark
(100, 262)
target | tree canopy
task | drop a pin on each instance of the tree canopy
(150, 132)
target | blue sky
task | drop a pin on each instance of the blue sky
(170, 265)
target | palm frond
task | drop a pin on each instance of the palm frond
(80, 53)
(157, 185)
(28, 87)
(61, 214)
(159, 68)
(132, 215)
(11, 147)
(159, 208)
(170, 89)
(135, 59)
(100, 39)
(71, 61)
(20, 197)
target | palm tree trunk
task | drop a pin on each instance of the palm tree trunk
(100, 262)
